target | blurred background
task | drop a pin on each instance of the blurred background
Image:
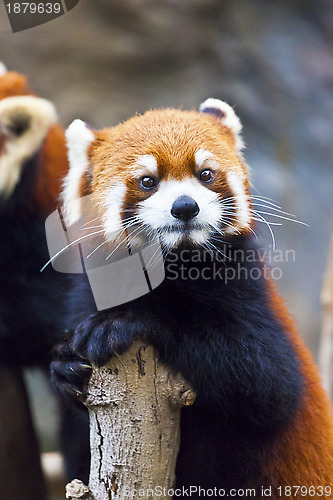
(273, 61)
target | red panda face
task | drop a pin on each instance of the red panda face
(174, 175)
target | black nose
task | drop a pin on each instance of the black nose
(184, 208)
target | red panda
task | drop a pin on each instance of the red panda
(261, 419)
(33, 161)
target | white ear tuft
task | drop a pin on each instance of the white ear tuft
(24, 123)
(79, 137)
(226, 116)
(3, 69)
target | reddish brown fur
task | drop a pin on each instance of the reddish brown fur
(12, 83)
(172, 136)
(53, 158)
(2, 144)
(303, 454)
(54, 163)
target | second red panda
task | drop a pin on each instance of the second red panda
(33, 161)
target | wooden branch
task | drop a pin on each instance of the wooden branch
(134, 404)
(326, 340)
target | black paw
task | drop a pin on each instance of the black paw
(70, 373)
(98, 339)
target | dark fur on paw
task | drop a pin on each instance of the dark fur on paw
(97, 339)
(70, 373)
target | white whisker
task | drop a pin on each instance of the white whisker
(89, 222)
(279, 217)
(270, 223)
(99, 246)
(67, 246)
(253, 232)
(128, 242)
(90, 227)
(153, 260)
(270, 229)
(275, 209)
(265, 199)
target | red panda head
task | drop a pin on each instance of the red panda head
(176, 175)
(28, 127)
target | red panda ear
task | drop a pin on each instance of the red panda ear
(77, 182)
(24, 124)
(224, 113)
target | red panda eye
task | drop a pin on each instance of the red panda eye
(206, 175)
(148, 182)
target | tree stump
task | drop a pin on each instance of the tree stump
(134, 404)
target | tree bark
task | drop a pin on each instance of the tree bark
(21, 475)
(134, 404)
(326, 340)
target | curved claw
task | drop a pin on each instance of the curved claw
(70, 374)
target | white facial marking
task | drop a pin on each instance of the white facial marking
(155, 211)
(40, 115)
(149, 162)
(242, 202)
(172, 239)
(201, 156)
(199, 236)
(113, 203)
(79, 137)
